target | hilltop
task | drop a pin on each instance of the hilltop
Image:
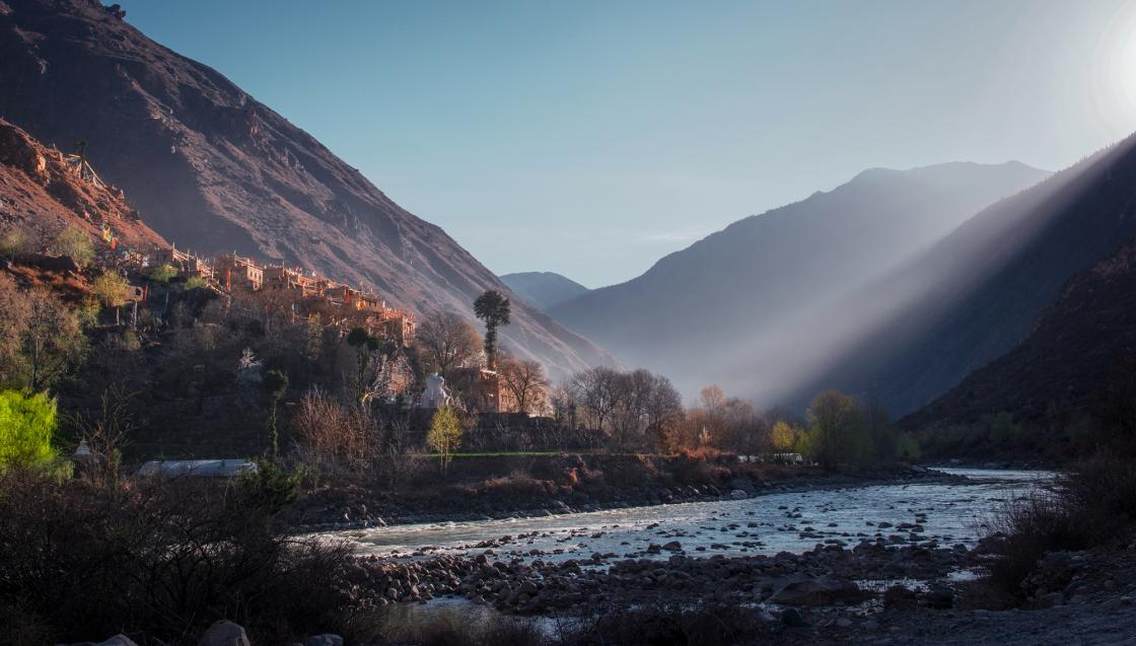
(545, 289)
(724, 309)
(211, 168)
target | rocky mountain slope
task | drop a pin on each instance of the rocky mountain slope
(980, 292)
(41, 193)
(213, 169)
(700, 314)
(545, 289)
(1082, 351)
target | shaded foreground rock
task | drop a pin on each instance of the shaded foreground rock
(822, 591)
(224, 633)
(823, 576)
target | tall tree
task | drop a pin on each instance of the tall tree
(835, 424)
(492, 307)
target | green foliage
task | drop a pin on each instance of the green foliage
(1003, 430)
(27, 424)
(445, 434)
(843, 431)
(111, 288)
(76, 244)
(493, 308)
(13, 242)
(836, 429)
(907, 448)
(271, 487)
(357, 337)
(195, 282)
(275, 384)
(162, 273)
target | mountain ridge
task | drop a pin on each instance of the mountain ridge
(731, 285)
(979, 292)
(545, 289)
(212, 168)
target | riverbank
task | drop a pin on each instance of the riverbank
(550, 485)
(872, 593)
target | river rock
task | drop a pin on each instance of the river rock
(224, 633)
(817, 592)
(792, 617)
(117, 640)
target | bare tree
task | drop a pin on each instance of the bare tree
(596, 393)
(446, 341)
(526, 381)
(331, 435)
(663, 409)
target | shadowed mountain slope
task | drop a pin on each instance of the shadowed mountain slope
(691, 314)
(974, 296)
(1081, 353)
(212, 169)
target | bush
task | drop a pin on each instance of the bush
(1089, 507)
(1030, 528)
(479, 627)
(707, 625)
(162, 559)
(75, 244)
(27, 423)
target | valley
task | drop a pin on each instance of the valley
(248, 398)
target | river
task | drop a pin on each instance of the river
(949, 513)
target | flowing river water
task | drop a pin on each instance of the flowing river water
(947, 512)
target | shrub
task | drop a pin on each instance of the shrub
(162, 273)
(453, 627)
(27, 424)
(75, 244)
(162, 559)
(672, 625)
(1087, 509)
(1032, 527)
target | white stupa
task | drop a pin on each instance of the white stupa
(435, 395)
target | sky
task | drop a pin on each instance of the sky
(593, 138)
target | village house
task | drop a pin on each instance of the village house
(281, 277)
(237, 272)
(488, 392)
(187, 264)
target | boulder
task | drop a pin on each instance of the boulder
(939, 597)
(224, 633)
(117, 640)
(817, 592)
(792, 617)
(327, 639)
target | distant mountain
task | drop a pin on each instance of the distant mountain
(912, 335)
(42, 192)
(214, 170)
(704, 314)
(544, 289)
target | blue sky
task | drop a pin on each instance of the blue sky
(592, 138)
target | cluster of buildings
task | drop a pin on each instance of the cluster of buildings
(311, 293)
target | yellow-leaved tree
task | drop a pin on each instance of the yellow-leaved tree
(445, 434)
